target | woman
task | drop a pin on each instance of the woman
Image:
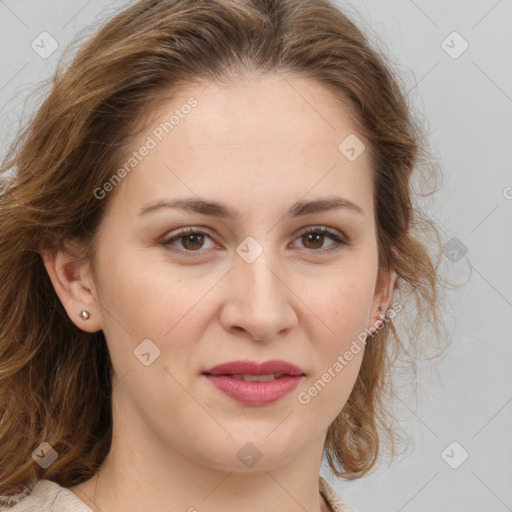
(208, 233)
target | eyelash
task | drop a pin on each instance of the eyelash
(339, 239)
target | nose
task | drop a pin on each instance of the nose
(258, 301)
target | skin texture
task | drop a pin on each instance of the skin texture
(259, 146)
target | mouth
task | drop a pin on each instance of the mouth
(253, 383)
(253, 370)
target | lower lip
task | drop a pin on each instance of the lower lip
(255, 393)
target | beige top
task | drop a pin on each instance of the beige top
(48, 496)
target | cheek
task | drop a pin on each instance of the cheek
(343, 309)
(338, 350)
(143, 297)
(343, 301)
(155, 302)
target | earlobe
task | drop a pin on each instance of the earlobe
(74, 287)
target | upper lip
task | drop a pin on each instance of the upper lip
(247, 367)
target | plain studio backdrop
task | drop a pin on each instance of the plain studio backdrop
(454, 58)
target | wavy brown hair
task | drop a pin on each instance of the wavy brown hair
(55, 379)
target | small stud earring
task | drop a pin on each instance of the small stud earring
(84, 315)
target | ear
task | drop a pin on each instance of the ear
(386, 280)
(72, 281)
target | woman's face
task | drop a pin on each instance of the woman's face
(251, 286)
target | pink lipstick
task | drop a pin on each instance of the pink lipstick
(253, 383)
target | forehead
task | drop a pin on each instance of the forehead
(260, 110)
(254, 136)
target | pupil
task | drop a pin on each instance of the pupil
(194, 239)
(315, 238)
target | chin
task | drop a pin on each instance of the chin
(246, 453)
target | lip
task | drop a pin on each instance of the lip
(254, 368)
(255, 393)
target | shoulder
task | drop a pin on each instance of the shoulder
(45, 496)
(336, 502)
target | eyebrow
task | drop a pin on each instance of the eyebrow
(216, 209)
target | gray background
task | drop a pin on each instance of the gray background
(466, 103)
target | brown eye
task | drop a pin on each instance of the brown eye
(188, 241)
(314, 238)
(193, 241)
